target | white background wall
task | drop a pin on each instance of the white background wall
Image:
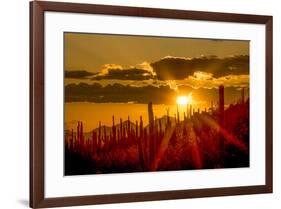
(14, 102)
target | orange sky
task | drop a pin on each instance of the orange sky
(91, 51)
(121, 69)
(100, 66)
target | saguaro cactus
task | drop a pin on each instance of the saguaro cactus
(221, 105)
(113, 130)
(151, 133)
(221, 119)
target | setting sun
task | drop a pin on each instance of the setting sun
(183, 100)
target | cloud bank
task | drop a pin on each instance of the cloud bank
(139, 72)
(160, 81)
(78, 74)
(118, 93)
(177, 68)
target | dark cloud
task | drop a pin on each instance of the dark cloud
(78, 74)
(118, 93)
(170, 68)
(177, 68)
(125, 74)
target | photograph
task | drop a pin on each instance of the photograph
(177, 104)
(135, 103)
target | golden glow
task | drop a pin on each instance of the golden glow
(184, 100)
(202, 75)
(81, 48)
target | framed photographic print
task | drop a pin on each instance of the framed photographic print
(139, 104)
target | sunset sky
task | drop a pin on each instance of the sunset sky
(146, 103)
(120, 68)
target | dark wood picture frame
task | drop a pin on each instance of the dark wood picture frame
(37, 197)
